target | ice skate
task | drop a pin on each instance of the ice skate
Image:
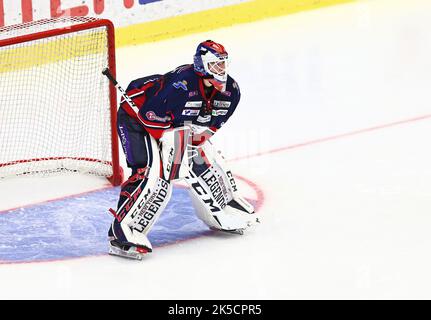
(128, 250)
(239, 231)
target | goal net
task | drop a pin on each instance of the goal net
(57, 110)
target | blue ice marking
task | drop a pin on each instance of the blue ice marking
(78, 226)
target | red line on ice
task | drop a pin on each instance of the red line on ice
(259, 193)
(330, 138)
(259, 200)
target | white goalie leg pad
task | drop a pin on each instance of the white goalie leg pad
(145, 212)
(174, 145)
(146, 203)
(215, 194)
(211, 212)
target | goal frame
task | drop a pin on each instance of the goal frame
(118, 175)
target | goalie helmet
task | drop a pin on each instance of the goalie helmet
(211, 63)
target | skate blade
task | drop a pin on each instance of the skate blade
(114, 251)
(236, 231)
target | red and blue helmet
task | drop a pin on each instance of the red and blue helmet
(211, 62)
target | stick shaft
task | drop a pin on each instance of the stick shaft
(111, 78)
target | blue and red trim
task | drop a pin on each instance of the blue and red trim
(179, 154)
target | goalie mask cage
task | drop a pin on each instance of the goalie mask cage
(57, 109)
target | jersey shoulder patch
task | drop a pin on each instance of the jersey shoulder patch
(181, 85)
(180, 78)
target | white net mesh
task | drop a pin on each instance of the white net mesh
(14, 31)
(54, 101)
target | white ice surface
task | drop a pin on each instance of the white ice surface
(343, 218)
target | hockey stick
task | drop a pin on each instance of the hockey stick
(109, 75)
(111, 78)
(135, 108)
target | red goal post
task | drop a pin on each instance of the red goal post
(57, 110)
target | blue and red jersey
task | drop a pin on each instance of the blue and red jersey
(179, 98)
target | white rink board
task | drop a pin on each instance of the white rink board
(116, 10)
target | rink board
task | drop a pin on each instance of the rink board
(214, 19)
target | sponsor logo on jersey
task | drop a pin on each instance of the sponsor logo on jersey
(226, 93)
(151, 115)
(190, 112)
(222, 104)
(216, 113)
(193, 94)
(204, 119)
(181, 85)
(193, 104)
